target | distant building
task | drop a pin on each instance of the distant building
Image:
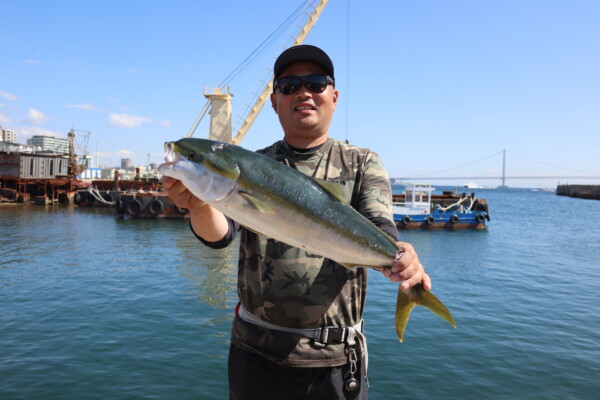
(50, 143)
(91, 173)
(8, 135)
(10, 147)
(107, 173)
(126, 164)
(87, 160)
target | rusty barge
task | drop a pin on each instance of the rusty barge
(137, 198)
(38, 178)
(132, 203)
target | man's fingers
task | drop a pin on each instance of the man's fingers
(426, 281)
(168, 182)
(412, 281)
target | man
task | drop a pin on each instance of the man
(298, 328)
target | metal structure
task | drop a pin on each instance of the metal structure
(502, 178)
(262, 99)
(219, 101)
(75, 147)
(41, 177)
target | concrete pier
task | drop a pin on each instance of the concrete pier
(579, 191)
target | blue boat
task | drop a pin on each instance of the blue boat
(419, 208)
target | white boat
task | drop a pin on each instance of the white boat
(415, 209)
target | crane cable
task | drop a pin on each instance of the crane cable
(258, 50)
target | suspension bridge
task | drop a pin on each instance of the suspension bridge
(503, 178)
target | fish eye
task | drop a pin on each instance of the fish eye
(193, 156)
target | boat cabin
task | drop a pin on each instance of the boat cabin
(417, 200)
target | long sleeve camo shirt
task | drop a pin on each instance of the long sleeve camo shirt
(286, 286)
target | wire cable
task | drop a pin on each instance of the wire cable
(548, 164)
(459, 166)
(347, 70)
(262, 46)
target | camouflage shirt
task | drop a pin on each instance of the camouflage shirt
(286, 286)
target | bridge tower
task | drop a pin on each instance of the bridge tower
(503, 186)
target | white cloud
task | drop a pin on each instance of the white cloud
(32, 61)
(4, 118)
(128, 121)
(7, 96)
(165, 122)
(124, 153)
(36, 117)
(83, 106)
(130, 70)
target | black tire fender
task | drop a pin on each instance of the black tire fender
(88, 199)
(156, 206)
(135, 208)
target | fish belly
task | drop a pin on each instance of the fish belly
(303, 230)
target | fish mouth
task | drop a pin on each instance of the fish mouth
(171, 155)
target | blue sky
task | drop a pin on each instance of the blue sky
(437, 88)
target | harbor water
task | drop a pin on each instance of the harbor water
(95, 307)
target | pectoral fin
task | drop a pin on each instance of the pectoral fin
(333, 188)
(418, 296)
(260, 205)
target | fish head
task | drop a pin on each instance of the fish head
(204, 166)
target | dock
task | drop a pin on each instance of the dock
(591, 192)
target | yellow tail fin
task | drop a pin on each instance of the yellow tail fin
(418, 296)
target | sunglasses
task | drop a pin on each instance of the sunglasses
(315, 83)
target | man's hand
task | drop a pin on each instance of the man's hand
(180, 194)
(408, 269)
(206, 221)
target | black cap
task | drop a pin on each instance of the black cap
(303, 52)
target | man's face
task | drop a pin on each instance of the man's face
(304, 115)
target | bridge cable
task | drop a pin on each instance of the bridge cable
(460, 166)
(548, 164)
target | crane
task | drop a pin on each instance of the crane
(219, 101)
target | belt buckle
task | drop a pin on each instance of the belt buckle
(330, 334)
(317, 338)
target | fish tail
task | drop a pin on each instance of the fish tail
(418, 296)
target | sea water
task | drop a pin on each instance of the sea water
(96, 307)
